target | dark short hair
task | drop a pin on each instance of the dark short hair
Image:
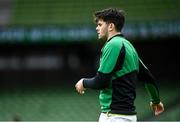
(111, 15)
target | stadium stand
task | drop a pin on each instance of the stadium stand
(70, 12)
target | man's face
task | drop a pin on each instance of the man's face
(102, 29)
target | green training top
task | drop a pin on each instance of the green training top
(120, 59)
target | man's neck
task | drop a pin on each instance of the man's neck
(113, 34)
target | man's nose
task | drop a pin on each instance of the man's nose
(96, 28)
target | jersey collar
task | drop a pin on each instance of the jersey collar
(121, 35)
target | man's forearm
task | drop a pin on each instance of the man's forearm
(100, 81)
(153, 92)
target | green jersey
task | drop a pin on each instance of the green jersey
(120, 59)
(119, 69)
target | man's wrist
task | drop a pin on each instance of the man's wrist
(83, 83)
(155, 101)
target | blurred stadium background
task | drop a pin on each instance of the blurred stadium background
(46, 46)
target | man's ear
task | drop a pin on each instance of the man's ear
(111, 26)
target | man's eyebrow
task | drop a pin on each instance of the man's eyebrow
(99, 23)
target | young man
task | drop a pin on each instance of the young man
(119, 69)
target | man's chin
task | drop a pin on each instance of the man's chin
(101, 38)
